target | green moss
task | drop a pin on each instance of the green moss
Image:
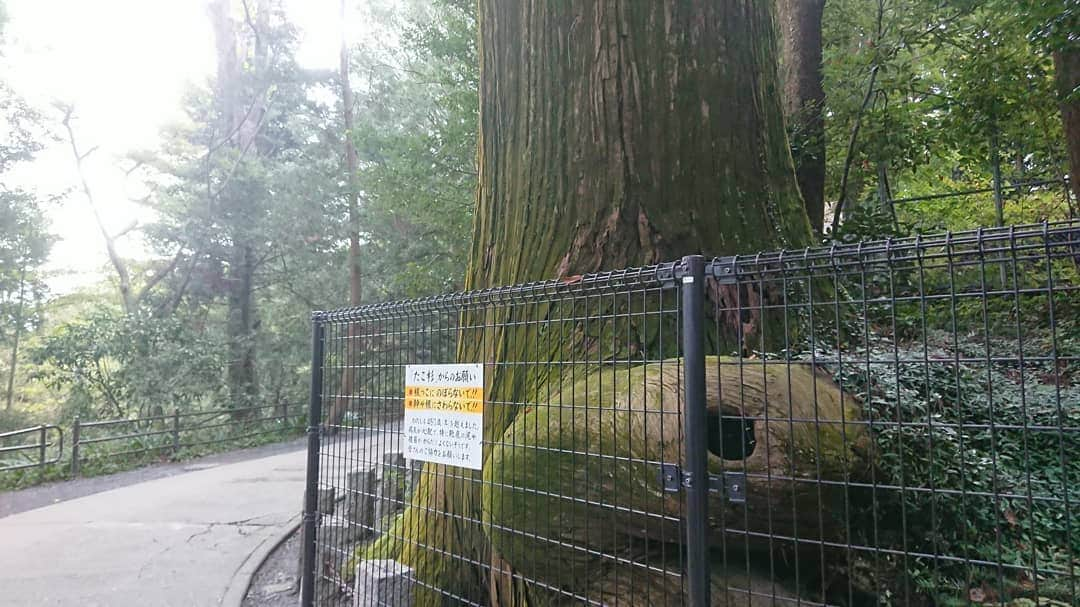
(577, 475)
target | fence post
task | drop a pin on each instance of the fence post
(75, 432)
(285, 415)
(175, 432)
(41, 449)
(311, 489)
(695, 474)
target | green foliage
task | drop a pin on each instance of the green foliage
(954, 85)
(983, 482)
(116, 366)
(416, 141)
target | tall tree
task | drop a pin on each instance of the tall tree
(24, 237)
(355, 276)
(804, 98)
(611, 135)
(24, 248)
(242, 88)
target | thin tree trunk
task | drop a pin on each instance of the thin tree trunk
(122, 275)
(340, 405)
(241, 328)
(999, 197)
(1067, 71)
(849, 158)
(350, 170)
(885, 192)
(18, 336)
(842, 200)
(804, 98)
(612, 134)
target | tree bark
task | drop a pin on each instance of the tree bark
(1067, 75)
(804, 98)
(612, 134)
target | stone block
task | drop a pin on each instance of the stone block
(326, 500)
(383, 582)
(360, 500)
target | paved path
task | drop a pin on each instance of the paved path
(183, 540)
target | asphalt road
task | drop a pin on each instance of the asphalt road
(186, 538)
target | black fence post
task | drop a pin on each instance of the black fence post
(41, 449)
(75, 432)
(175, 432)
(695, 475)
(311, 490)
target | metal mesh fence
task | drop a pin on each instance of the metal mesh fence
(888, 423)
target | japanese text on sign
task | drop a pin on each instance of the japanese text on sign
(444, 414)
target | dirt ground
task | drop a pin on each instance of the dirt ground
(275, 583)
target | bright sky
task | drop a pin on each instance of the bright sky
(123, 65)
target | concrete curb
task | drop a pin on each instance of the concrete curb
(245, 573)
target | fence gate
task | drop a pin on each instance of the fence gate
(881, 423)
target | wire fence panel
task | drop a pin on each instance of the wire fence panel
(907, 416)
(886, 423)
(581, 408)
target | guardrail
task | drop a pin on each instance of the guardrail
(166, 434)
(40, 448)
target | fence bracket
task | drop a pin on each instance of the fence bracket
(731, 485)
(722, 270)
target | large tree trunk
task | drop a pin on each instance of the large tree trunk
(1067, 70)
(612, 134)
(804, 98)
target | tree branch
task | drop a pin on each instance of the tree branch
(110, 241)
(160, 275)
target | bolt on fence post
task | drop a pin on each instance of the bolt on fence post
(695, 478)
(41, 450)
(75, 432)
(311, 490)
(175, 432)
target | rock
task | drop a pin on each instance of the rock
(393, 463)
(357, 479)
(412, 479)
(326, 500)
(360, 501)
(336, 536)
(383, 582)
(390, 496)
(279, 587)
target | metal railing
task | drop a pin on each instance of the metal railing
(38, 450)
(886, 423)
(161, 434)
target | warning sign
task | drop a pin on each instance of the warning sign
(444, 414)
